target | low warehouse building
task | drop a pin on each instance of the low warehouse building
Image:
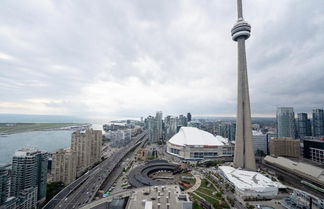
(308, 172)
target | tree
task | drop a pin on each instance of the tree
(196, 205)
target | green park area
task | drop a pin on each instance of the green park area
(12, 128)
(210, 194)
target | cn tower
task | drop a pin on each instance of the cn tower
(244, 153)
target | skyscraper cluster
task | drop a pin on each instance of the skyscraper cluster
(25, 184)
(159, 129)
(119, 138)
(170, 126)
(85, 151)
(154, 125)
(300, 127)
(189, 116)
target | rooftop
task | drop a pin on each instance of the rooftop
(248, 180)
(306, 169)
(318, 140)
(163, 197)
(257, 133)
(195, 136)
(4, 165)
(153, 197)
(25, 152)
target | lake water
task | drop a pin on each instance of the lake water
(43, 140)
(48, 141)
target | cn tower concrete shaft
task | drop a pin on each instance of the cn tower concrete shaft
(244, 153)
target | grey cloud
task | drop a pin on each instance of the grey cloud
(62, 49)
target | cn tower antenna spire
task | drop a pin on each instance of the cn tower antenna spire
(244, 152)
(239, 9)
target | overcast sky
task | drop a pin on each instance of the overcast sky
(103, 58)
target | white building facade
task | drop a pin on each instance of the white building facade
(249, 184)
(194, 144)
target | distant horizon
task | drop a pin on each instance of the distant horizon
(136, 117)
(122, 117)
(38, 118)
(81, 119)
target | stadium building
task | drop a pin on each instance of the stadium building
(191, 143)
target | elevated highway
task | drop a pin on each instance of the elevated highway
(83, 190)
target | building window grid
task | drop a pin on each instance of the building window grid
(203, 154)
(175, 151)
(317, 155)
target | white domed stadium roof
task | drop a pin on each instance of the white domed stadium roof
(195, 136)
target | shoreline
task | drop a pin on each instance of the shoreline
(7, 129)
